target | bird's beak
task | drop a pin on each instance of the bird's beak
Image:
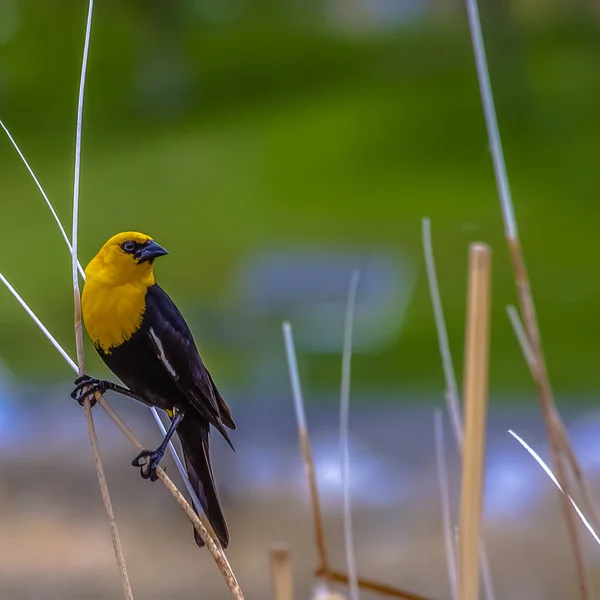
(149, 251)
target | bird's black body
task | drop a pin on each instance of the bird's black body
(160, 364)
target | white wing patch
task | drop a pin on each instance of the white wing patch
(162, 356)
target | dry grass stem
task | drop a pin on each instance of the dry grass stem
(475, 395)
(559, 443)
(452, 395)
(539, 374)
(213, 547)
(306, 451)
(324, 570)
(531, 361)
(281, 573)
(368, 585)
(442, 472)
(116, 540)
(560, 446)
(110, 515)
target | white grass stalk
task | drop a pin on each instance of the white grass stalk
(292, 361)
(344, 435)
(491, 121)
(40, 325)
(452, 394)
(74, 237)
(306, 451)
(442, 471)
(522, 338)
(554, 480)
(39, 186)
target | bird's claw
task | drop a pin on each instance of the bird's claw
(147, 461)
(86, 387)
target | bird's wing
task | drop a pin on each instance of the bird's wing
(170, 339)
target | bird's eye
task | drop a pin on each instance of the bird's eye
(129, 246)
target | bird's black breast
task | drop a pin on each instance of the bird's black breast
(161, 363)
(134, 363)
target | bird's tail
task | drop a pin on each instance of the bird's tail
(194, 435)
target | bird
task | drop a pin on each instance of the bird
(142, 337)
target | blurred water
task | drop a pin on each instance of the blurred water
(55, 543)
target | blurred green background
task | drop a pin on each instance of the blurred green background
(273, 146)
(225, 129)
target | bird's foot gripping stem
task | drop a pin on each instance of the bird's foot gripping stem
(86, 387)
(147, 461)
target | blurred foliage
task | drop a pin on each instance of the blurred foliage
(271, 129)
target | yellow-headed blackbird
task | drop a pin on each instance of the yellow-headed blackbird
(143, 339)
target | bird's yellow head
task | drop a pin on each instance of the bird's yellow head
(127, 257)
